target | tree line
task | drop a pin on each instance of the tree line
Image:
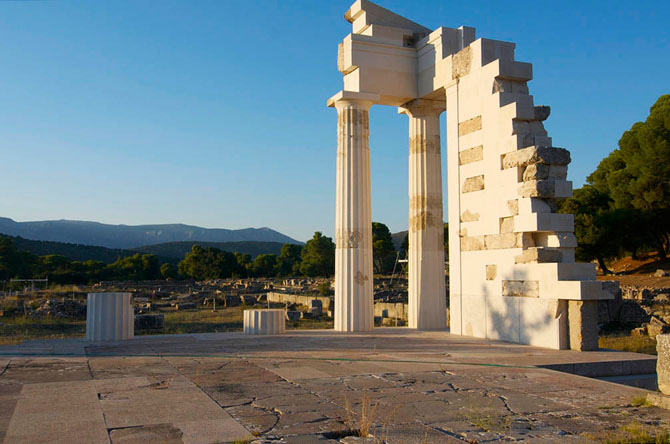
(624, 207)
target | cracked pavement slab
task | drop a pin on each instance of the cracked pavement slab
(402, 386)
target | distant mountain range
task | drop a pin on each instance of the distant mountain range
(171, 252)
(133, 236)
(398, 238)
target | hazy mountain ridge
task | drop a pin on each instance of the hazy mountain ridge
(132, 236)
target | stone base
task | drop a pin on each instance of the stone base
(583, 325)
(264, 321)
(659, 400)
(663, 363)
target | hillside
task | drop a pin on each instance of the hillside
(398, 238)
(178, 250)
(75, 252)
(129, 236)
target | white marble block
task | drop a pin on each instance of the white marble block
(109, 317)
(264, 321)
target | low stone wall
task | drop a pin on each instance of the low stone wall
(300, 299)
(391, 310)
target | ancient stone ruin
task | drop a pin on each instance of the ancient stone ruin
(512, 266)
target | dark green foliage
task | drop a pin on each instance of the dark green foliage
(383, 251)
(138, 267)
(289, 260)
(324, 288)
(446, 241)
(637, 175)
(169, 271)
(210, 263)
(593, 224)
(177, 250)
(14, 263)
(404, 247)
(318, 256)
(265, 265)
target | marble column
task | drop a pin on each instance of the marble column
(354, 305)
(427, 294)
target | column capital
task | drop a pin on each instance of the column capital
(364, 100)
(422, 107)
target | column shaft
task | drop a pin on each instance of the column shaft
(427, 294)
(354, 310)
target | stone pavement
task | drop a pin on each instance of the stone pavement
(310, 386)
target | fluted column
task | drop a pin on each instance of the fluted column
(354, 310)
(427, 297)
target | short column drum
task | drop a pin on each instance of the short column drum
(109, 317)
(264, 321)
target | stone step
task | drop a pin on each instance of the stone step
(647, 381)
(645, 365)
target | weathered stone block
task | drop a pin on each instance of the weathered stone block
(583, 325)
(469, 216)
(470, 126)
(500, 241)
(527, 289)
(507, 224)
(663, 363)
(491, 272)
(536, 154)
(540, 171)
(149, 322)
(471, 184)
(461, 63)
(513, 207)
(542, 112)
(538, 255)
(470, 155)
(548, 188)
(472, 243)
(292, 315)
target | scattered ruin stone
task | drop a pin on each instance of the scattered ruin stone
(65, 308)
(632, 313)
(662, 273)
(184, 306)
(292, 315)
(149, 322)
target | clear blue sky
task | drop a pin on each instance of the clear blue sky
(213, 113)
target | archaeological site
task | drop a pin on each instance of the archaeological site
(492, 325)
